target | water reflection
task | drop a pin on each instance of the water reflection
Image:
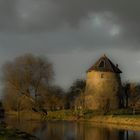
(57, 131)
(83, 131)
(63, 130)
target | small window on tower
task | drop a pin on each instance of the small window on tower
(102, 75)
(102, 64)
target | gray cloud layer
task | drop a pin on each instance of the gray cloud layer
(71, 31)
(52, 15)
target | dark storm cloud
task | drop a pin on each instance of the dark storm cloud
(69, 21)
(125, 11)
(72, 32)
(40, 14)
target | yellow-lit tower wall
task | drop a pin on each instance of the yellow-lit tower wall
(103, 86)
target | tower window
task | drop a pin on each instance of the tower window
(102, 75)
(102, 64)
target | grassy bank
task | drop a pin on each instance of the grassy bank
(69, 115)
(125, 122)
(38, 116)
(133, 120)
(23, 115)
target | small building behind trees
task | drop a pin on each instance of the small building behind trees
(103, 86)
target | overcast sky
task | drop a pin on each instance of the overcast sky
(73, 34)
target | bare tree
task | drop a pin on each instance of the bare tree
(26, 74)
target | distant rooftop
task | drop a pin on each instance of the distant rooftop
(104, 64)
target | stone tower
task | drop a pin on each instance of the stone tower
(103, 86)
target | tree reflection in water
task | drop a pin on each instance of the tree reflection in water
(64, 130)
(83, 131)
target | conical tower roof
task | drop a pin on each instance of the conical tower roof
(104, 64)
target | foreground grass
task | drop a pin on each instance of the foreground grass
(15, 134)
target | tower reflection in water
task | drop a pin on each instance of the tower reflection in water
(83, 131)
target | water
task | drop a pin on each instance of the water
(83, 131)
(64, 130)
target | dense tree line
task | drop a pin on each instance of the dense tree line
(132, 96)
(75, 94)
(28, 85)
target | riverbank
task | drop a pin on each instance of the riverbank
(128, 122)
(39, 116)
(68, 115)
(116, 119)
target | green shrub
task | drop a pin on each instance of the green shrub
(90, 113)
(58, 115)
(120, 112)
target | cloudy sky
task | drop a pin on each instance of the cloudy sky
(73, 34)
